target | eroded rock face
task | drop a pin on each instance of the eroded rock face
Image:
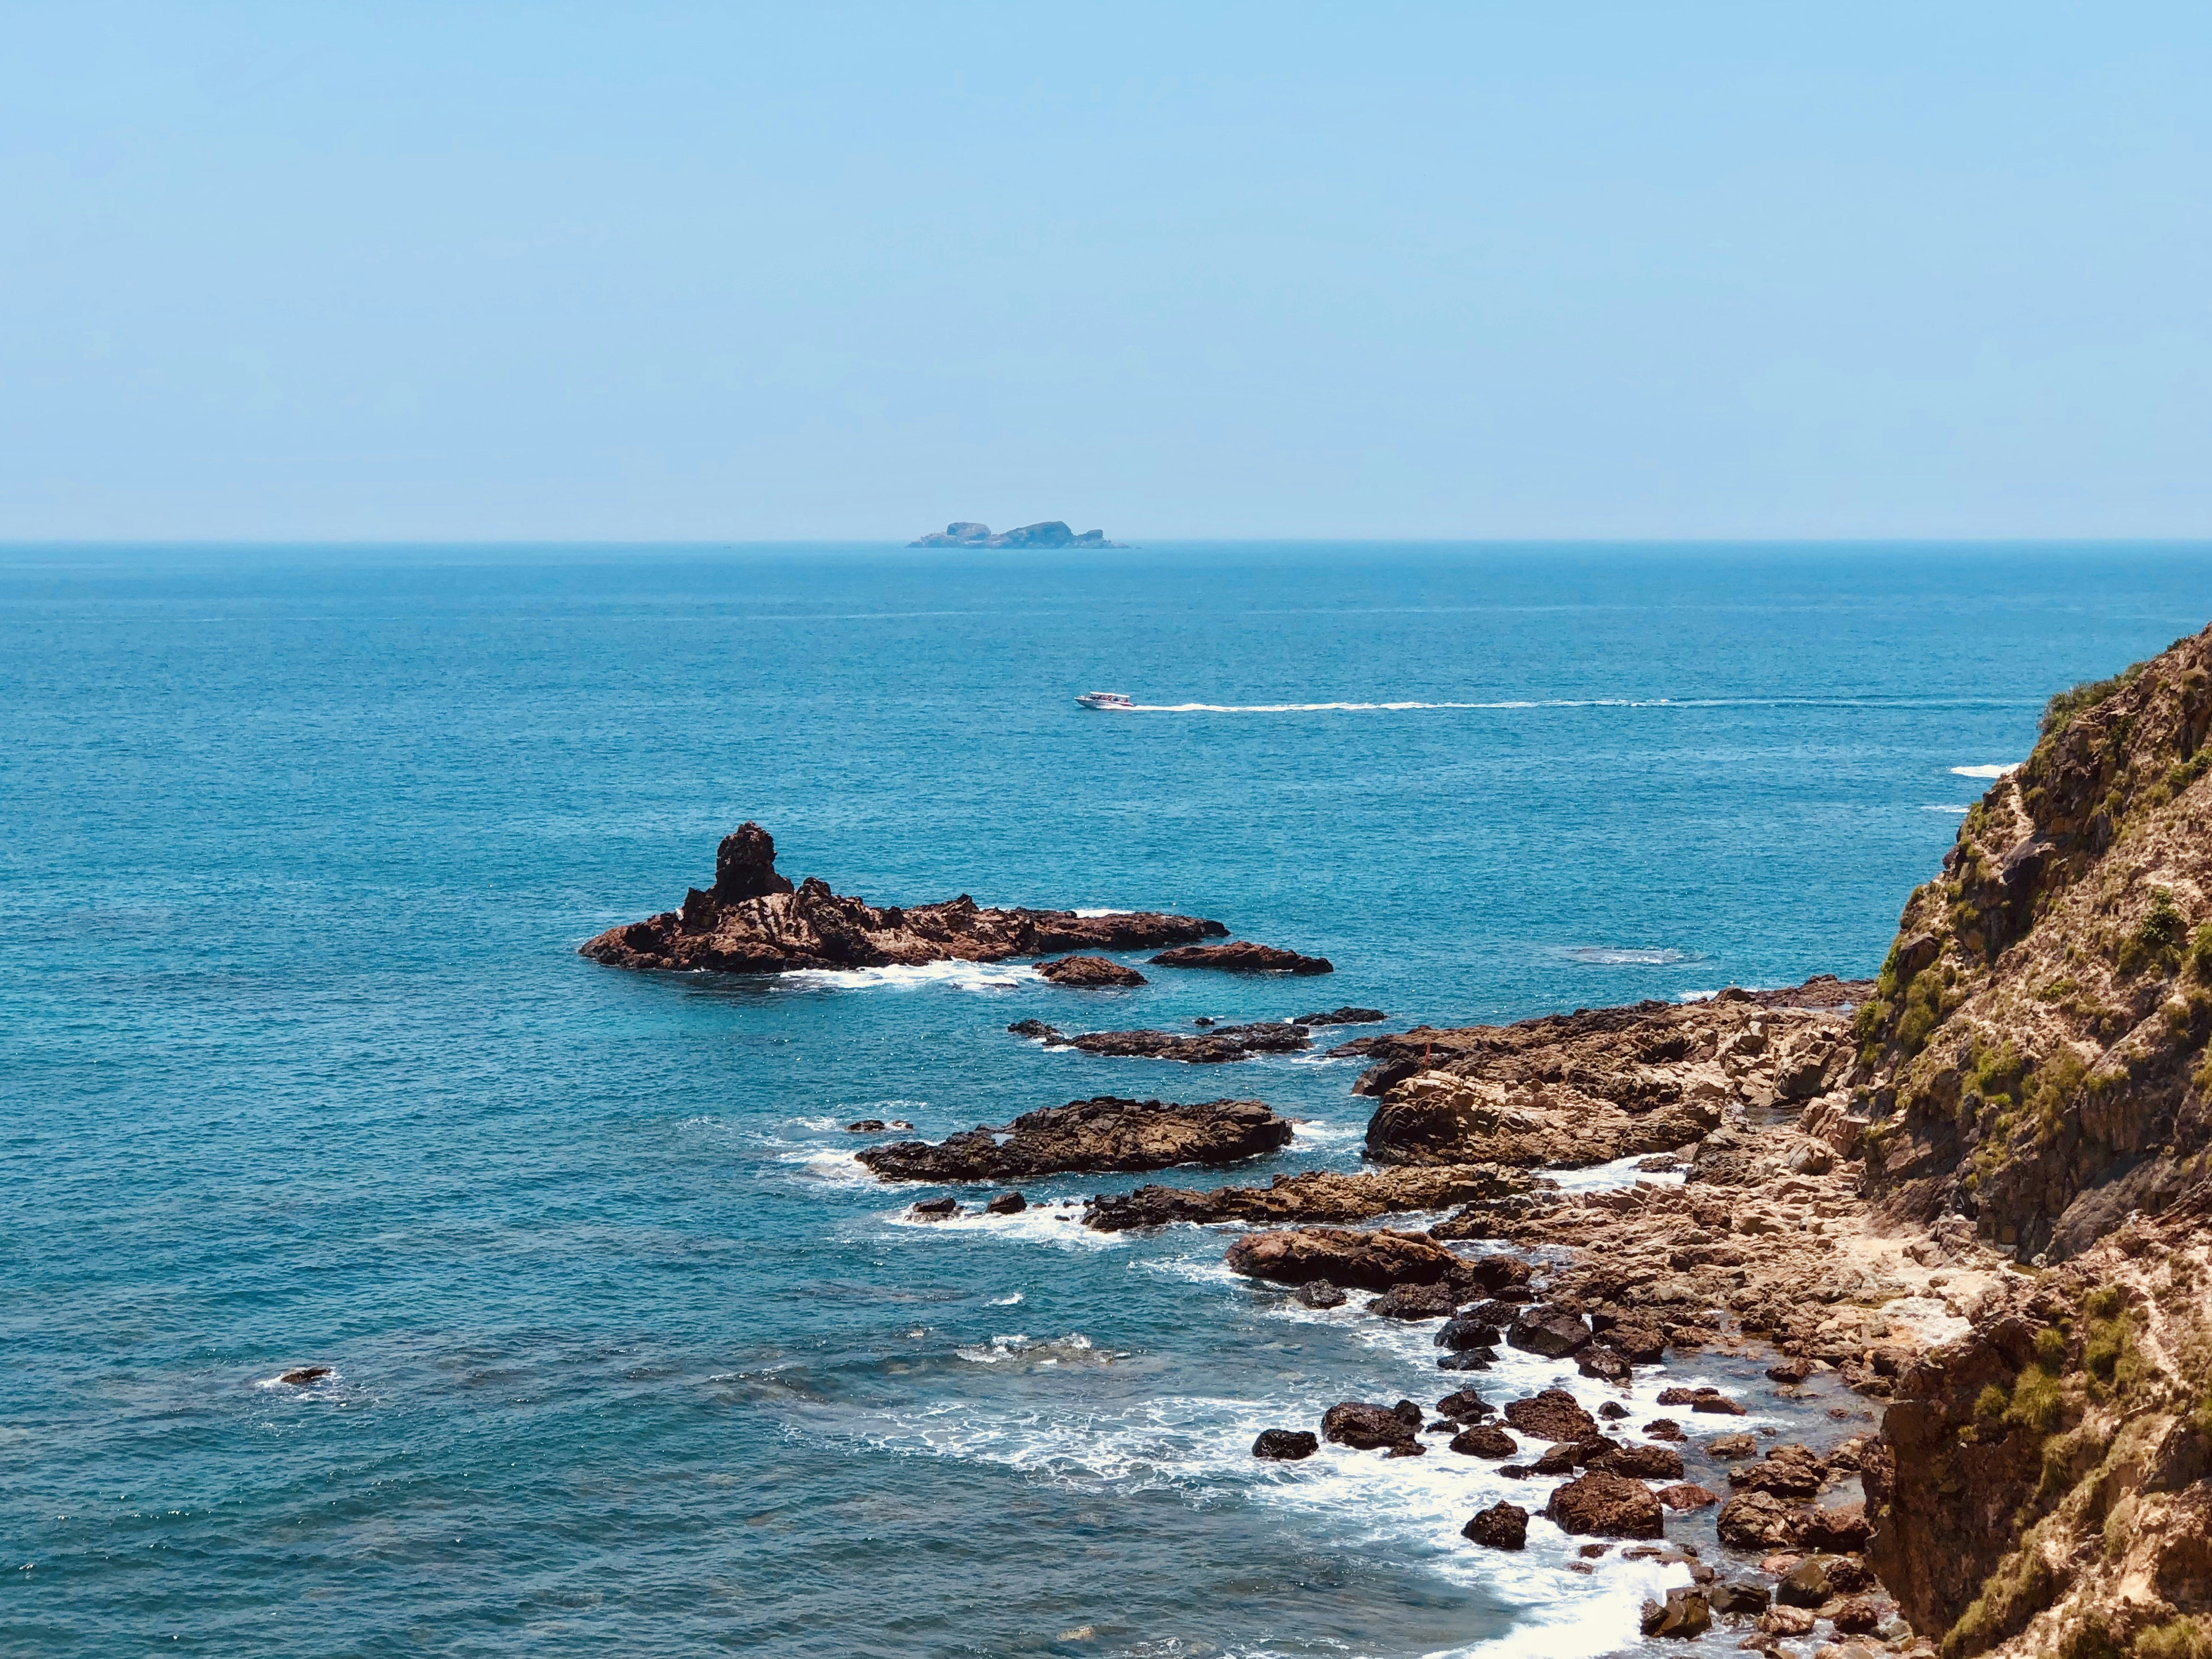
(1314, 1195)
(755, 921)
(1243, 957)
(1103, 1133)
(1088, 973)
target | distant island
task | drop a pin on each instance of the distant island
(1051, 533)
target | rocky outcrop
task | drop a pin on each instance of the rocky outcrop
(1046, 533)
(1381, 1260)
(1089, 973)
(1367, 1427)
(1104, 1133)
(1597, 1085)
(1243, 957)
(1315, 1195)
(1552, 1414)
(755, 921)
(1221, 1045)
(1345, 1016)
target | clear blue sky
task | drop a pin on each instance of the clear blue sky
(812, 271)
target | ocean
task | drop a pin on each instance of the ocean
(300, 1064)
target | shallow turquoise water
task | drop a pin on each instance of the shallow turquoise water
(300, 1066)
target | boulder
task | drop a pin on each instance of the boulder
(1503, 1526)
(1217, 1047)
(1285, 1445)
(1685, 1614)
(1552, 1415)
(935, 1209)
(1347, 1015)
(1036, 1029)
(1639, 1344)
(1463, 1331)
(1551, 1332)
(1806, 1585)
(301, 1376)
(1604, 1505)
(1087, 973)
(1318, 1293)
(1007, 1204)
(1730, 1446)
(1687, 1495)
(1468, 1359)
(1741, 1597)
(1789, 1370)
(1787, 1471)
(1243, 957)
(744, 866)
(1378, 1261)
(1837, 1526)
(1755, 1521)
(1103, 1134)
(1602, 1363)
(1704, 1398)
(1663, 1428)
(1365, 1426)
(1416, 1302)
(1484, 1440)
(1644, 1463)
(1859, 1615)
(1465, 1406)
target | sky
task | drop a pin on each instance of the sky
(492, 272)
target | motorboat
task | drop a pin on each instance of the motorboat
(1104, 700)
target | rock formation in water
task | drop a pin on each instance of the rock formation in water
(1106, 1133)
(753, 920)
(1221, 1045)
(1243, 957)
(1089, 973)
(1314, 1195)
(1047, 533)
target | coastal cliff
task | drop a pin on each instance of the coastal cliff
(753, 920)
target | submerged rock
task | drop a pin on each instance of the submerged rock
(1243, 957)
(1345, 1016)
(755, 921)
(1223, 1043)
(1103, 1133)
(301, 1376)
(1088, 973)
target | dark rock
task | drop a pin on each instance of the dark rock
(1501, 1527)
(1787, 1471)
(1687, 1495)
(1101, 1134)
(936, 1209)
(1859, 1615)
(1560, 1459)
(1685, 1613)
(1468, 1360)
(865, 1126)
(1087, 973)
(1612, 1411)
(755, 921)
(1465, 1406)
(301, 1376)
(1462, 1332)
(1406, 1449)
(1551, 1332)
(1343, 1017)
(1007, 1204)
(1417, 1302)
(1663, 1428)
(1789, 1370)
(1325, 1196)
(1604, 1505)
(1319, 1293)
(1737, 1598)
(1705, 1399)
(1379, 1260)
(1363, 1426)
(1243, 957)
(1220, 1046)
(1848, 1574)
(1755, 1521)
(1513, 1471)
(1602, 1363)
(1807, 1584)
(1035, 1028)
(1552, 1415)
(1838, 1526)
(1644, 1463)
(1408, 1412)
(1285, 1445)
(1639, 1344)
(1727, 1446)
(1484, 1440)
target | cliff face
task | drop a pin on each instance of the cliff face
(2034, 1067)
(2036, 1053)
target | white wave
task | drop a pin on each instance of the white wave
(1695, 996)
(1082, 910)
(1037, 1225)
(1314, 1133)
(1961, 811)
(843, 1168)
(1075, 1347)
(955, 976)
(1607, 956)
(1006, 1301)
(1986, 771)
(1621, 1172)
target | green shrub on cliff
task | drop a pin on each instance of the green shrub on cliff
(2058, 714)
(2177, 1638)
(2157, 939)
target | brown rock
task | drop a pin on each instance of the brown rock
(1554, 1333)
(935, 1209)
(1685, 1614)
(1007, 1204)
(1663, 1428)
(755, 921)
(1484, 1440)
(1787, 1471)
(1219, 1046)
(1645, 1462)
(1728, 1446)
(1365, 1426)
(1315, 1195)
(1859, 1615)
(301, 1376)
(1087, 973)
(1607, 1506)
(1285, 1445)
(1411, 1302)
(1501, 1527)
(1378, 1261)
(1552, 1415)
(1465, 1406)
(1687, 1495)
(1105, 1133)
(1243, 957)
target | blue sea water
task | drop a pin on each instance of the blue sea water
(299, 1064)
